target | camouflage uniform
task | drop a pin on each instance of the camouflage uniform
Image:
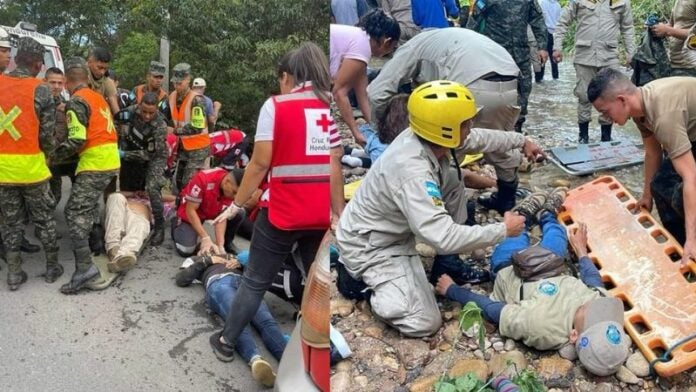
(35, 200)
(62, 168)
(505, 22)
(599, 25)
(144, 157)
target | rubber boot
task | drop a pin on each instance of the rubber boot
(157, 233)
(15, 275)
(53, 268)
(28, 247)
(502, 200)
(85, 270)
(584, 138)
(606, 132)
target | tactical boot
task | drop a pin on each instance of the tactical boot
(584, 137)
(53, 268)
(15, 275)
(530, 206)
(194, 271)
(96, 239)
(502, 200)
(157, 234)
(554, 201)
(85, 270)
(606, 132)
(461, 272)
(28, 247)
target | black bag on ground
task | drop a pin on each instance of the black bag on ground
(536, 263)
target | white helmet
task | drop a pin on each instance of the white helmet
(4, 39)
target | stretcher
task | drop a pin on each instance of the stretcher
(639, 262)
(350, 189)
(586, 159)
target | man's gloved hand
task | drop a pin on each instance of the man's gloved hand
(228, 213)
(207, 247)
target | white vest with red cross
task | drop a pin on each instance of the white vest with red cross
(298, 181)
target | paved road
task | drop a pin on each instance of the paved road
(143, 333)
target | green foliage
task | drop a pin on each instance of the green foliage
(132, 58)
(466, 383)
(469, 316)
(528, 381)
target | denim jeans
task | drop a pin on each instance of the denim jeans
(220, 294)
(554, 238)
(269, 248)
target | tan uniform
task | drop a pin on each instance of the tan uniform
(408, 193)
(670, 113)
(104, 86)
(600, 23)
(543, 316)
(446, 54)
(682, 59)
(400, 10)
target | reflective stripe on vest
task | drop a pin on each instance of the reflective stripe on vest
(100, 151)
(21, 158)
(299, 176)
(181, 117)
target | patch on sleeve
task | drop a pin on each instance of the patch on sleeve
(195, 191)
(433, 191)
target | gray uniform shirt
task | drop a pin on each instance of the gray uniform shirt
(599, 25)
(401, 198)
(453, 53)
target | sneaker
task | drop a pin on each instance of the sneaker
(554, 200)
(530, 206)
(262, 372)
(460, 271)
(468, 273)
(222, 351)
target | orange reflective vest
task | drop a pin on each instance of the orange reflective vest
(21, 160)
(182, 116)
(140, 91)
(100, 151)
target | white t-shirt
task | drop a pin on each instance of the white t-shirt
(347, 42)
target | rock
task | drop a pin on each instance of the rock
(445, 347)
(340, 382)
(555, 371)
(342, 307)
(361, 381)
(638, 365)
(604, 387)
(343, 366)
(390, 363)
(472, 332)
(584, 386)
(486, 344)
(464, 366)
(412, 352)
(556, 182)
(498, 346)
(509, 345)
(374, 331)
(447, 316)
(568, 352)
(625, 375)
(451, 331)
(425, 250)
(499, 362)
(525, 166)
(422, 384)
(478, 354)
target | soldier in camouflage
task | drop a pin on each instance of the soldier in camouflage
(97, 167)
(600, 23)
(24, 187)
(143, 147)
(505, 22)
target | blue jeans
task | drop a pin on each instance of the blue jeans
(553, 238)
(219, 296)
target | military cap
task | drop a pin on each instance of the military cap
(4, 39)
(156, 68)
(30, 46)
(180, 72)
(75, 62)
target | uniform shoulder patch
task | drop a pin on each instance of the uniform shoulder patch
(433, 191)
(547, 288)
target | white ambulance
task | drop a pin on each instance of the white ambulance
(52, 56)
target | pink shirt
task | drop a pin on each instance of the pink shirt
(347, 42)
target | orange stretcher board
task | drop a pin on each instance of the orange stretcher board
(639, 262)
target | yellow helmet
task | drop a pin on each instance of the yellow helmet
(197, 117)
(437, 110)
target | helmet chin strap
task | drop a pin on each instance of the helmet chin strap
(456, 163)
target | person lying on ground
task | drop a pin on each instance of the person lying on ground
(127, 219)
(548, 309)
(221, 276)
(207, 194)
